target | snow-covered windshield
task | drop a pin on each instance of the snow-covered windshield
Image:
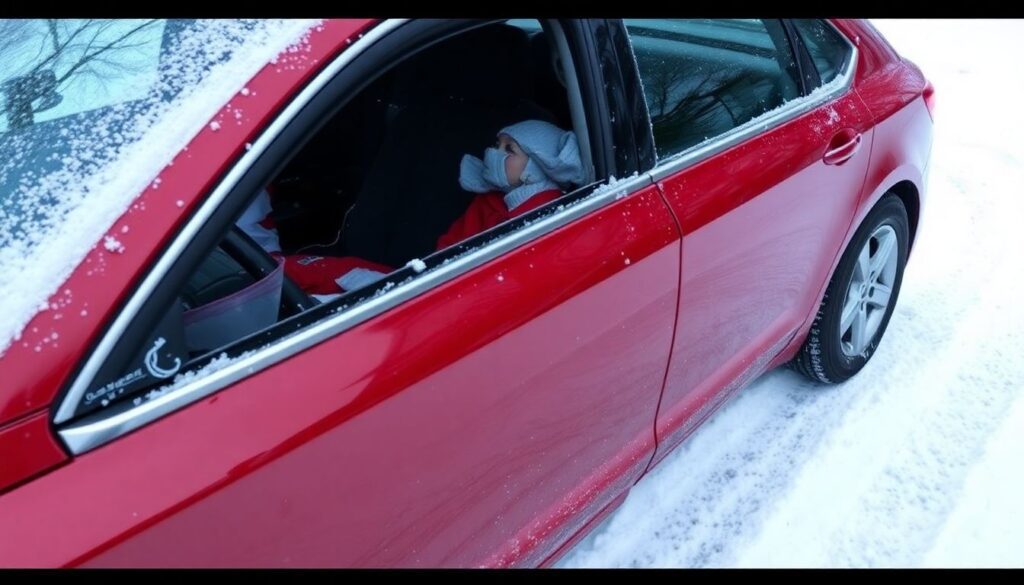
(55, 68)
(77, 98)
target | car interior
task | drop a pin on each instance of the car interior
(389, 161)
(380, 179)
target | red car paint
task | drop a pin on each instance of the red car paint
(754, 252)
(490, 421)
(27, 447)
(32, 378)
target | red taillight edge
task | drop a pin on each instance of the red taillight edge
(929, 99)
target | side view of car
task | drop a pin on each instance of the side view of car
(750, 195)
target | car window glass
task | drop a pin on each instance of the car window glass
(59, 67)
(403, 170)
(827, 48)
(704, 77)
(90, 111)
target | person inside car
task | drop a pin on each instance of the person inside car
(529, 165)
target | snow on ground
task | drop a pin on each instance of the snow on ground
(917, 461)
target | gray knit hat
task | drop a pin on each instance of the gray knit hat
(555, 151)
(554, 160)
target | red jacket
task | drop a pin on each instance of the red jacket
(488, 210)
(317, 274)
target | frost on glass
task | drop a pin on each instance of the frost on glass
(90, 111)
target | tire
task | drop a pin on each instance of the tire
(857, 288)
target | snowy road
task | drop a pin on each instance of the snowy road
(919, 460)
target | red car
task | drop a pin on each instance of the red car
(169, 397)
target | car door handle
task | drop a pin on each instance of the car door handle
(842, 147)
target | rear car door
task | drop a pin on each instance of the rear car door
(762, 159)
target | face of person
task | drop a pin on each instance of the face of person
(516, 161)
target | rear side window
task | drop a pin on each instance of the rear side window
(704, 77)
(827, 48)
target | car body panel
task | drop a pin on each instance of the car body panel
(490, 421)
(453, 433)
(756, 247)
(901, 140)
(28, 447)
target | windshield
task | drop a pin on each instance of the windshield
(54, 68)
(90, 111)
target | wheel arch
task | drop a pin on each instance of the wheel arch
(911, 198)
(900, 185)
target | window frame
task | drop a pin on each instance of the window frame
(330, 89)
(810, 77)
(799, 36)
(661, 168)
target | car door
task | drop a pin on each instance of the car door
(764, 179)
(477, 413)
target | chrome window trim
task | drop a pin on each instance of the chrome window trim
(131, 308)
(97, 429)
(101, 427)
(704, 150)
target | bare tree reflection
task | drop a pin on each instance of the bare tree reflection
(65, 50)
(693, 102)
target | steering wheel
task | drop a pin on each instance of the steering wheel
(259, 263)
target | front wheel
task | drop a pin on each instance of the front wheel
(860, 297)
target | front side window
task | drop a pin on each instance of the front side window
(428, 155)
(704, 77)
